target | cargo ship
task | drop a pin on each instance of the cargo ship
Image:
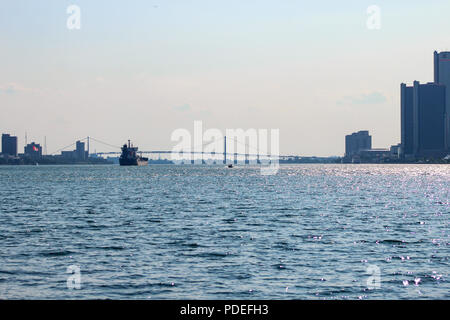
(130, 157)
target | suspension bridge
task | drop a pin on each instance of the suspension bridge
(193, 153)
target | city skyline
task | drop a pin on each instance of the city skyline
(254, 67)
(425, 128)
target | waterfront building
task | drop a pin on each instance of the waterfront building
(9, 145)
(429, 104)
(33, 150)
(395, 150)
(407, 121)
(356, 142)
(374, 155)
(423, 120)
(442, 76)
(78, 154)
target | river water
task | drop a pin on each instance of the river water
(209, 232)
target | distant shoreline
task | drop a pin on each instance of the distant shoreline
(216, 164)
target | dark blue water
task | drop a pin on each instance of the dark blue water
(182, 232)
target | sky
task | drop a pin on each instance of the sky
(142, 69)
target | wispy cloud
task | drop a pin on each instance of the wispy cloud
(13, 88)
(369, 98)
(9, 88)
(183, 108)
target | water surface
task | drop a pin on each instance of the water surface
(208, 232)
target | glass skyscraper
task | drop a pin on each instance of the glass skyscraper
(442, 76)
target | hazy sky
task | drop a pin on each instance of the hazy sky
(141, 69)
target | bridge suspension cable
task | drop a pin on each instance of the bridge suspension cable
(105, 143)
(84, 139)
(70, 145)
(249, 147)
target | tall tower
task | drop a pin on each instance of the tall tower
(428, 119)
(225, 150)
(407, 121)
(442, 76)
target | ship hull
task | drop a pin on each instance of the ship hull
(133, 162)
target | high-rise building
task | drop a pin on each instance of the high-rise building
(33, 150)
(442, 76)
(80, 153)
(9, 145)
(407, 121)
(356, 142)
(425, 110)
(429, 104)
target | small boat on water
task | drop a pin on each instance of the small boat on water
(130, 157)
